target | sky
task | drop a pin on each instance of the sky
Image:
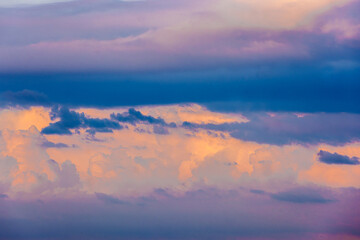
(169, 119)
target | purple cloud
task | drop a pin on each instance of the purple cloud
(66, 176)
(203, 213)
(289, 128)
(64, 38)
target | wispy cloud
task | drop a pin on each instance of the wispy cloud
(289, 128)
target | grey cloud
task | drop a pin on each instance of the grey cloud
(66, 176)
(73, 120)
(109, 199)
(335, 158)
(133, 117)
(160, 130)
(48, 144)
(256, 191)
(3, 196)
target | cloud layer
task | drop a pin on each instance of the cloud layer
(300, 57)
(184, 41)
(148, 152)
(203, 213)
(192, 119)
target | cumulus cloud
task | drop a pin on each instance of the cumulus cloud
(25, 167)
(66, 176)
(335, 158)
(8, 166)
(196, 153)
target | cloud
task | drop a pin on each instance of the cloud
(310, 90)
(335, 158)
(270, 63)
(3, 196)
(25, 167)
(56, 128)
(256, 191)
(109, 199)
(66, 176)
(23, 98)
(128, 160)
(160, 130)
(26, 3)
(48, 144)
(133, 117)
(73, 120)
(70, 120)
(301, 196)
(8, 166)
(237, 215)
(289, 128)
(140, 41)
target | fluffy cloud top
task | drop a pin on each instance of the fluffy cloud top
(172, 179)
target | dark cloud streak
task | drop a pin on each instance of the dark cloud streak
(23, 98)
(133, 117)
(73, 120)
(335, 158)
(310, 90)
(301, 196)
(48, 144)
